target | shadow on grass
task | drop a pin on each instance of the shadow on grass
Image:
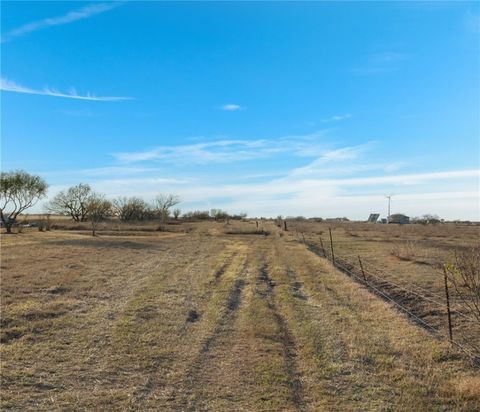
(106, 244)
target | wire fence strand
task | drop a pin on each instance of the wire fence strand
(375, 284)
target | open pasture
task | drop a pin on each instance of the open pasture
(221, 317)
(406, 263)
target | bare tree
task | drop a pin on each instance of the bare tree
(163, 204)
(176, 213)
(18, 192)
(97, 208)
(464, 274)
(427, 219)
(130, 208)
(72, 202)
(219, 214)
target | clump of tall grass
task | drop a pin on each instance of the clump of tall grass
(405, 251)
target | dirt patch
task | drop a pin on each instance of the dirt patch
(10, 335)
(57, 290)
(193, 316)
(234, 298)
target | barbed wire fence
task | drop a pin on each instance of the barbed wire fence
(446, 309)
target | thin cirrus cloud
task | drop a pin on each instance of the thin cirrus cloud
(318, 197)
(337, 118)
(70, 17)
(316, 185)
(10, 86)
(219, 151)
(230, 150)
(337, 155)
(231, 107)
(332, 181)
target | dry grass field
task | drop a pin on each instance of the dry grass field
(407, 263)
(215, 317)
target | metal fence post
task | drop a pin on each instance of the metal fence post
(331, 245)
(448, 304)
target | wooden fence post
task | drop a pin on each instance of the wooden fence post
(448, 304)
(323, 247)
(285, 225)
(256, 221)
(331, 245)
(361, 267)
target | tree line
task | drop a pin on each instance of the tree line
(20, 191)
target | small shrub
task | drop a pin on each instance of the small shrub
(464, 274)
(404, 251)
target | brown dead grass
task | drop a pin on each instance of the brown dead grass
(411, 256)
(106, 324)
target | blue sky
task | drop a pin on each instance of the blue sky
(315, 109)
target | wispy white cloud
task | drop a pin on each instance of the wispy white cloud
(231, 107)
(404, 179)
(230, 150)
(10, 86)
(216, 151)
(337, 118)
(307, 186)
(380, 63)
(337, 182)
(346, 153)
(70, 17)
(451, 194)
(114, 171)
(309, 178)
(322, 170)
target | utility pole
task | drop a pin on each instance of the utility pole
(389, 197)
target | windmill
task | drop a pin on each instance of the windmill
(389, 197)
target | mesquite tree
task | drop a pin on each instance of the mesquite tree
(130, 208)
(18, 192)
(163, 204)
(72, 201)
(98, 208)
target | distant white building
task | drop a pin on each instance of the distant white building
(399, 219)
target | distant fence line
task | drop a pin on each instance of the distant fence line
(377, 285)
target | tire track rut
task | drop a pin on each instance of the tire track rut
(204, 362)
(287, 341)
